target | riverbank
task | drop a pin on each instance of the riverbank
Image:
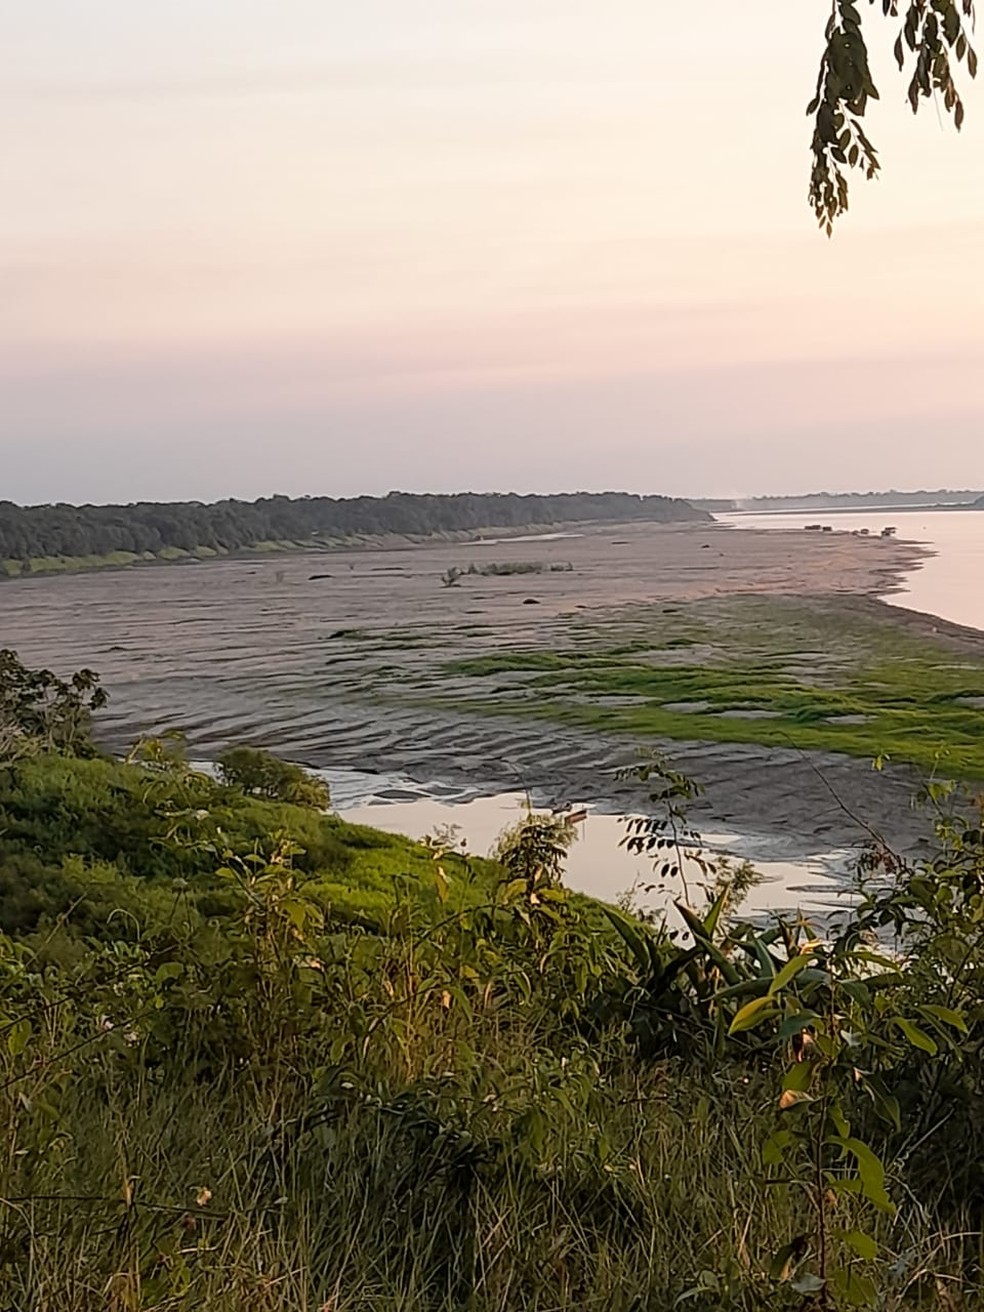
(326, 544)
(360, 664)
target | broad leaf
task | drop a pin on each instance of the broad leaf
(917, 1037)
(789, 972)
(871, 1171)
(751, 1014)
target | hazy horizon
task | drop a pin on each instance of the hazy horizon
(262, 247)
(739, 501)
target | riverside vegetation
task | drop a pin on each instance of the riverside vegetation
(253, 1057)
(60, 538)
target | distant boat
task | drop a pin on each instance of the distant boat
(888, 532)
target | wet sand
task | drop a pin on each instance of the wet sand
(258, 650)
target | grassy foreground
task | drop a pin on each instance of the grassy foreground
(253, 1058)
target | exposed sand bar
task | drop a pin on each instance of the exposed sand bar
(257, 650)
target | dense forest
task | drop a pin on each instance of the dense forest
(155, 529)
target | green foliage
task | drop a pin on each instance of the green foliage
(69, 827)
(259, 774)
(534, 849)
(487, 1105)
(222, 1086)
(933, 34)
(40, 712)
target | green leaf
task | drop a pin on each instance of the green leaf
(855, 1289)
(871, 1171)
(18, 1037)
(798, 1077)
(756, 987)
(789, 972)
(862, 1244)
(803, 1020)
(714, 915)
(886, 1105)
(917, 1037)
(841, 1126)
(757, 946)
(751, 1014)
(947, 1015)
(692, 921)
(632, 935)
(775, 1146)
(857, 991)
(296, 912)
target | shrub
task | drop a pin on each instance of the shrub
(259, 774)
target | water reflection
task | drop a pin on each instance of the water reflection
(597, 864)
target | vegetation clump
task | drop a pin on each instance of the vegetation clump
(40, 712)
(260, 774)
(506, 568)
(452, 577)
(895, 698)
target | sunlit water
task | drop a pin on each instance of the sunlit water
(598, 863)
(947, 584)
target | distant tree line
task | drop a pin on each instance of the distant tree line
(845, 500)
(893, 497)
(151, 527)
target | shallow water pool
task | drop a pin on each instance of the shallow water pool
(598, 863)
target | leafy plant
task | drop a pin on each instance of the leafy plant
(933, 35)
(259, 774)
(39, 712)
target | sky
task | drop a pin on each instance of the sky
(299, 246)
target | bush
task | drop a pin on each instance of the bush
(259, 774)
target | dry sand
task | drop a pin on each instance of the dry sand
(258, 650)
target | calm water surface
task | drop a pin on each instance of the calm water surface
(597, 863)
(947, 584)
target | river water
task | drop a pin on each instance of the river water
(598, 863)
(947, 584)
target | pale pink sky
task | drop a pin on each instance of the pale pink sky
(258, 245)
